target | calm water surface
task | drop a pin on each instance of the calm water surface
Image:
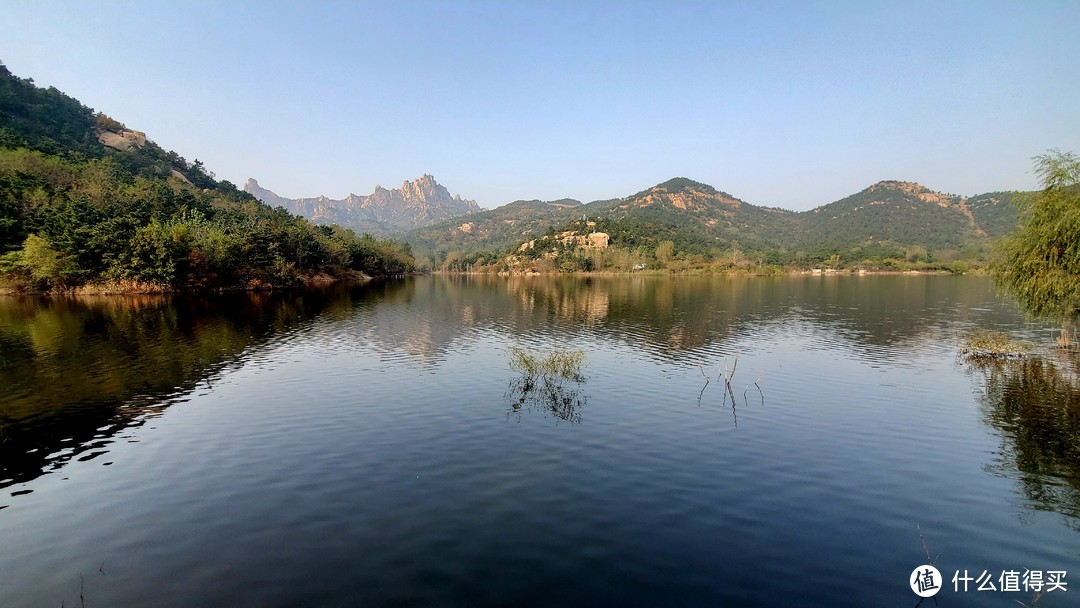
(369, 445)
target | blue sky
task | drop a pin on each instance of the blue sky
(790, 104)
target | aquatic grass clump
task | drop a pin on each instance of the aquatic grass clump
(1066, 340)
(993, 344)
(557, 365)
(545, 382)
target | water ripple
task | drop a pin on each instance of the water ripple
(361, 448)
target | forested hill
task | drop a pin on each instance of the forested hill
(896, 215)
(685, 224)
(696, 217)
(84, 199)
(495, 229)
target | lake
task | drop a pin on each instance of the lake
(370, 445)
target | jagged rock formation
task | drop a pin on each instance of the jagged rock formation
(418, 203)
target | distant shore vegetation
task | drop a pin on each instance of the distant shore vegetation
(559, 251)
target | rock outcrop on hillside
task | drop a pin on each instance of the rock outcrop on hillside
(123, 140)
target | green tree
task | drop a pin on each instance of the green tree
(1040, 262)
(155, 254)
(47, 265)
(452, 261)
(664, 251)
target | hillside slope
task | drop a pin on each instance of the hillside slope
(695, 216)
(84, 199)
(890, 213)
(994, 212)
(495, 229)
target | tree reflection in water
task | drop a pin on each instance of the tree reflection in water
(1034, 404)
(78, 372)
(549, 383)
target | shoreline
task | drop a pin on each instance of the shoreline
(729, 273)
(125, 288)
(136, 288)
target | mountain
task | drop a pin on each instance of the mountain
(888, 220)
(695, 216)
(495, 229)
(898, 213)
(421, 202)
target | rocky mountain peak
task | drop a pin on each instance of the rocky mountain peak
(424, 190)
(417, 203)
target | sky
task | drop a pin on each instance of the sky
(790, 104)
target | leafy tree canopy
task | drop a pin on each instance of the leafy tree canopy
(1040, 262)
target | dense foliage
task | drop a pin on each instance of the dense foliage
(73, 211)
(1040, 262)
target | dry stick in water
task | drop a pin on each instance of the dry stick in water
(727, 389)
(932, 560)
(702, 369)
(725, 374)
(756, 381)
(758, 386)
(734, 366)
